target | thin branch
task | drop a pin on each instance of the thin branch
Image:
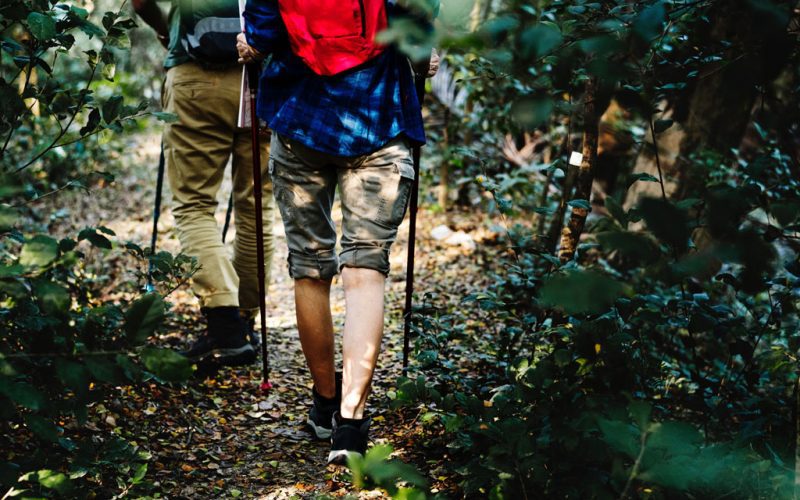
(78, 108)
(51, 193)
(61, 134)
(636, 466)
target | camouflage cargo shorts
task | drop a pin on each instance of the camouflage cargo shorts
(374, 190)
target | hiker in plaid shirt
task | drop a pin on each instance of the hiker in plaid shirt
(354, 130)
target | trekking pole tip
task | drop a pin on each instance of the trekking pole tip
(266, 386)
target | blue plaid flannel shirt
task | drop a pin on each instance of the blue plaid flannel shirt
(351, 114)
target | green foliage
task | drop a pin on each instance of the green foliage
(62, 345)
(661, 363)
(61, 349)
(376, 469)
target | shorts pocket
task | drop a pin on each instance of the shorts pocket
(400, 204)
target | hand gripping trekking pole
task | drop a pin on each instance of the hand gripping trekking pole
(412, 235)
(253, 71)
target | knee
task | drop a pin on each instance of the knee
(357, 277)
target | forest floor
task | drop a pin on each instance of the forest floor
(219, 436)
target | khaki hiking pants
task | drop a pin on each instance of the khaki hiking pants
(197, 148)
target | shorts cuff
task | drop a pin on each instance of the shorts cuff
(372, 257)
(321, 265)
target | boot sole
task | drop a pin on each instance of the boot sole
(319, 431)
(238, 356)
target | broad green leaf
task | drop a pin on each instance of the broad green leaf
(91, 29)
(42, 427)
(584, 204)
(641, 176)
(540, 39)
(38, 251)
(640, 411)
(109, 71)
(8, 217)
(141, 471)
(91, 123)
(104, 370)
(42, 26)
(23, 394)
(166, 117)
(14, 288)
(143, 317)
(650, 21)
(112, 108)
(73, 374)
(166, 364)
(54, 481)
(54, 299)
(616, 211)
(630, 245)
(675, 437)
(6, 369)
(580, 292)
(95, 238)
(621, 436)
(11, 271)
(666, 221)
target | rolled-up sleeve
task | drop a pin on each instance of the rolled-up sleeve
(263, 25)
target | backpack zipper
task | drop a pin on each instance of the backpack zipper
(363, 18)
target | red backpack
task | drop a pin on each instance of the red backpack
(332, 36)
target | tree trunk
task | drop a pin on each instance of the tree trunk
(717, 111)
(538, 218)
(583, 190)
(557, 223)
(669, 146)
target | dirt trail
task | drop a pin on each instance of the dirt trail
(220, 437)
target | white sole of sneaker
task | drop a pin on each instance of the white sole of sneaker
(339, 457)
(319, 431)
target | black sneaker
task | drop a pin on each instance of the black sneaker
(320, 417)
(350, 438)
(225, 340)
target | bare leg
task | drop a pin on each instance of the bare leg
(363, 329)
(312, 301)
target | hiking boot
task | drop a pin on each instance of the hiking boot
(350, 438)
(253, 336)
(226, 339)
(320, 417)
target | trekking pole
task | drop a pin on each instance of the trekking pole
(228, 214)
(149, 287)
(253, 70)
(412, 235)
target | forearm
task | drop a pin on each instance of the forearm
(152, 15)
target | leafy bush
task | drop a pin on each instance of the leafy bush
(599, 371)
(61, 346)
(660, 359)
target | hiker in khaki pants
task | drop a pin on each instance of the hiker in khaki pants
(197, 148)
